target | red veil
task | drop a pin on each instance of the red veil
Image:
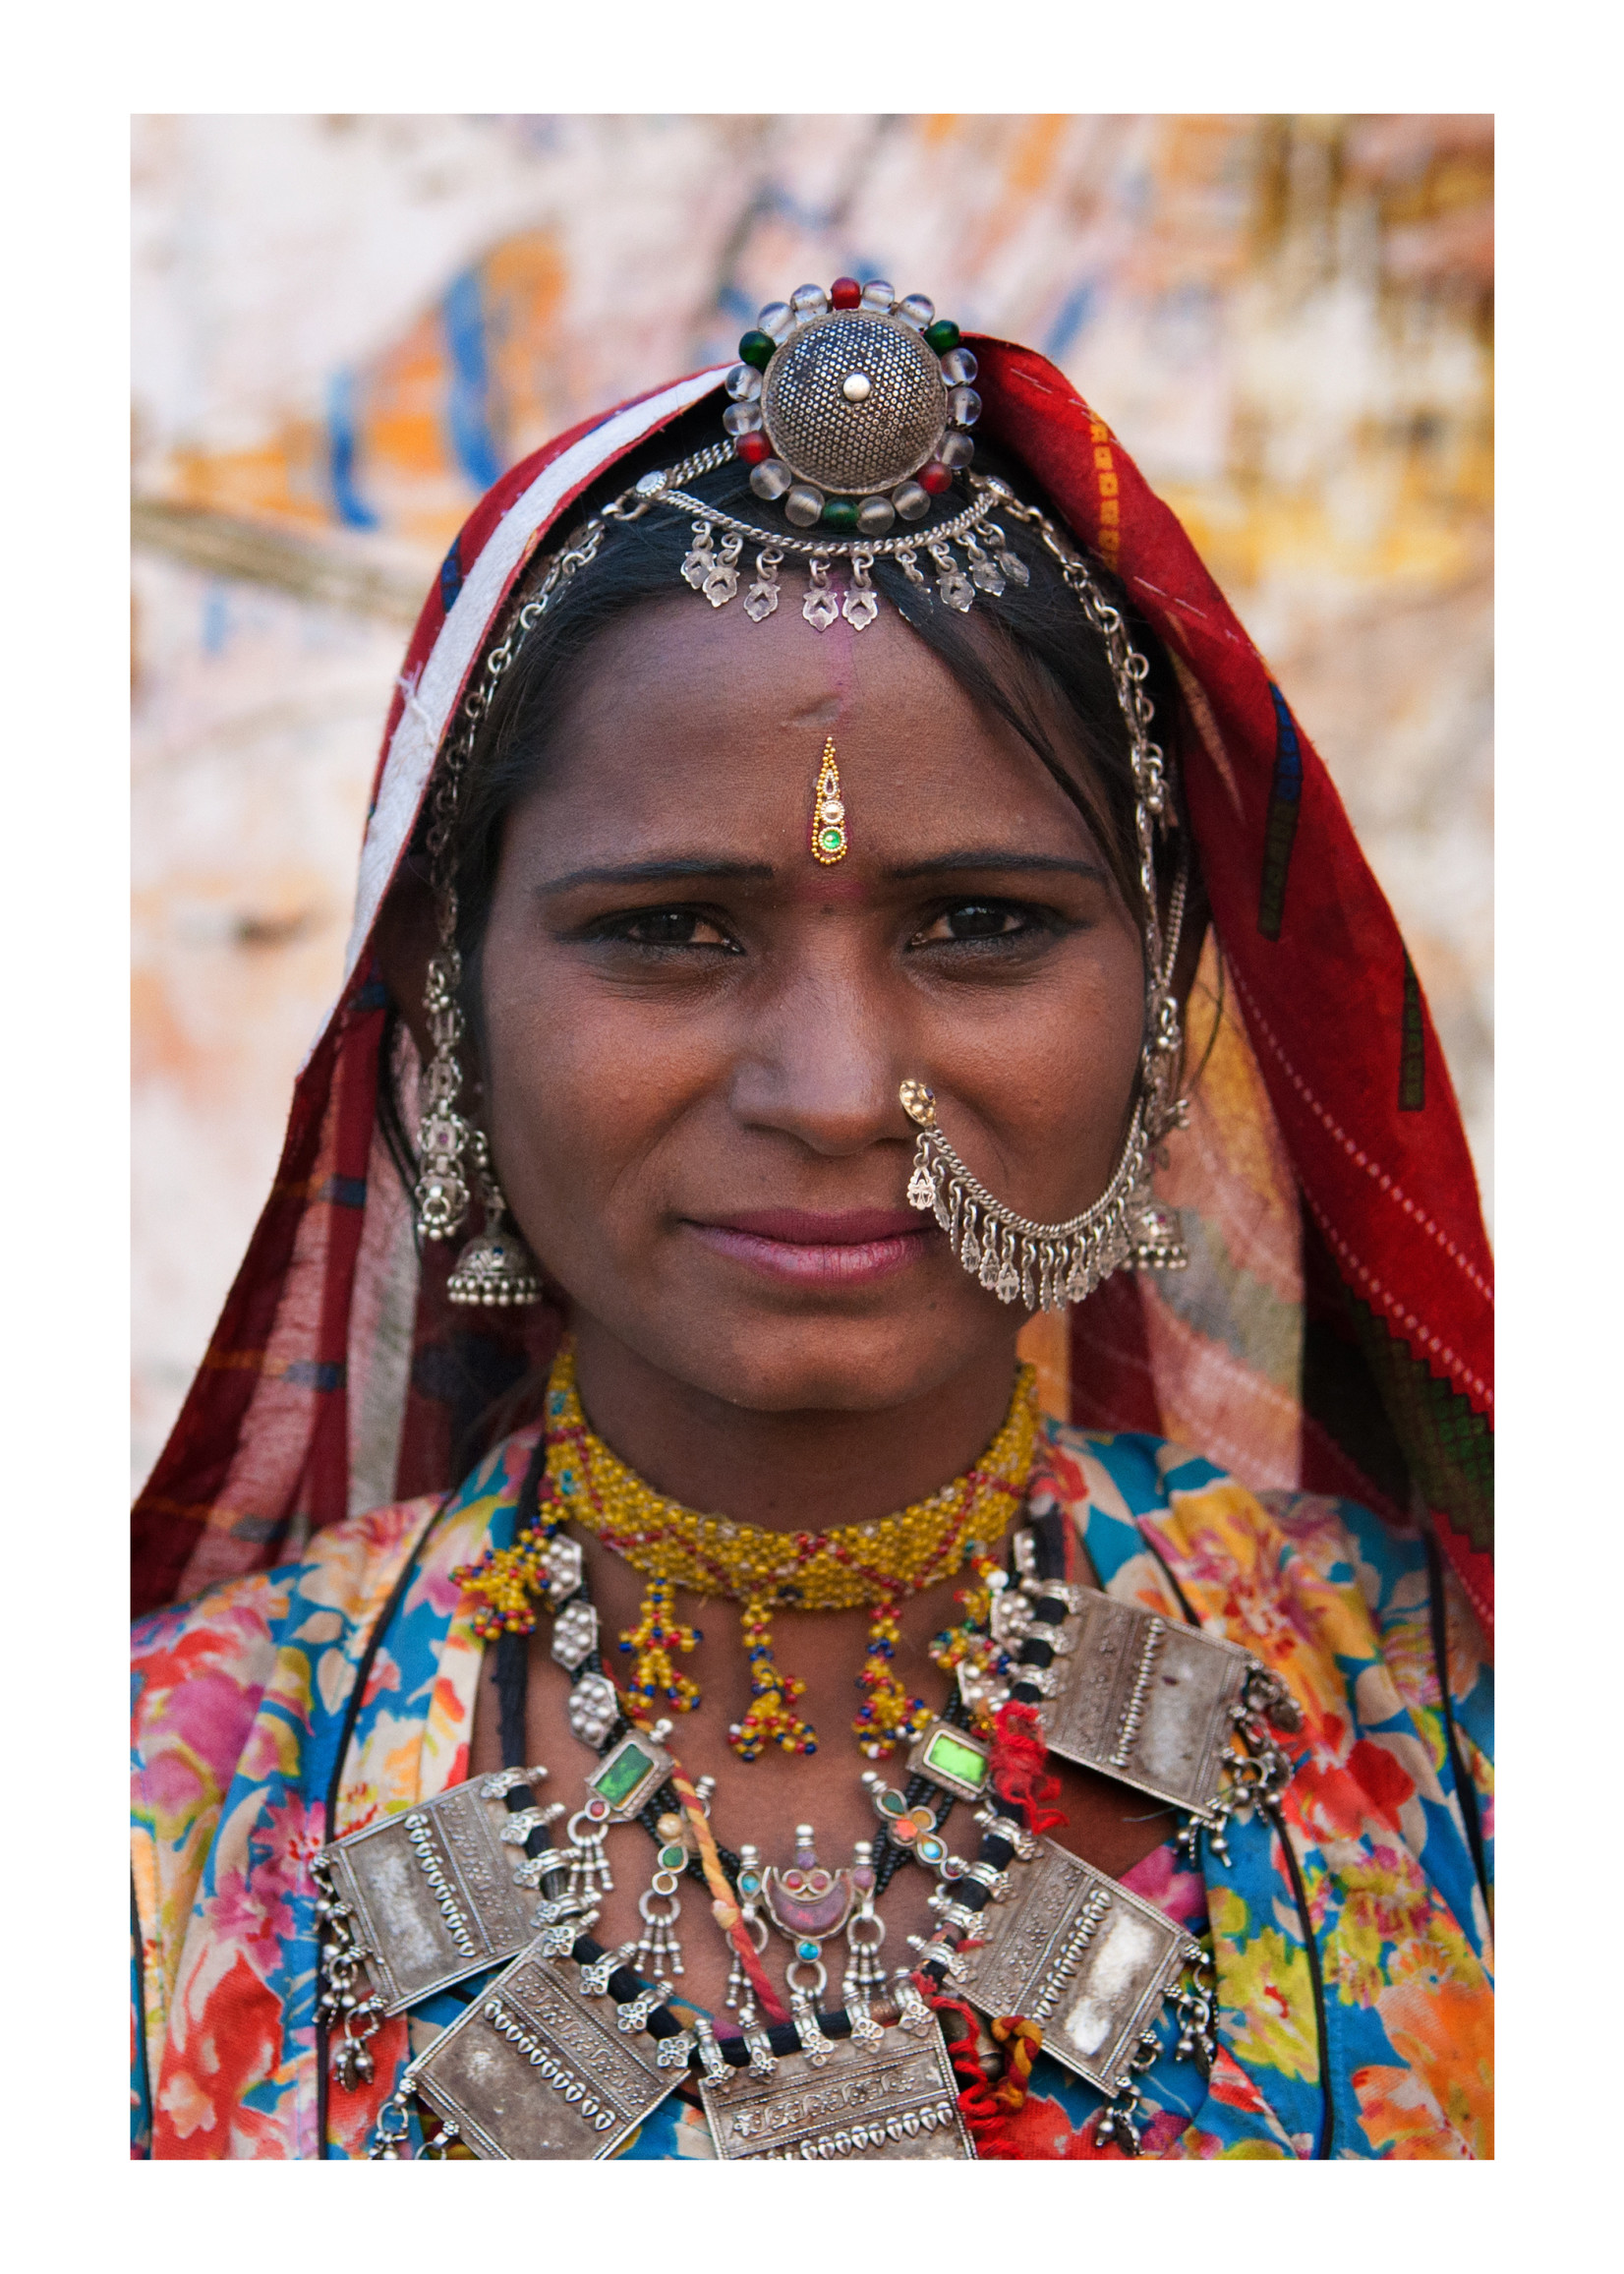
(1334, 1329)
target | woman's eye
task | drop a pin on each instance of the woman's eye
(665, 928)
(975, 920)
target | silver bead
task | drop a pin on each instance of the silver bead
(958, 366)
(963, 406)
(770, 478)
(744, 382)
(804, 505)
(953, 450)
(911, 501)
(917, 310)
(875, 515)
(808, 300)
(775, 318)
(878, 296)
(741, 417)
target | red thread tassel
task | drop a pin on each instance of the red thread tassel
(1018, 1770)
(987, 2123)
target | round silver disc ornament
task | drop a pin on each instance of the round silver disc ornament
(852, 443)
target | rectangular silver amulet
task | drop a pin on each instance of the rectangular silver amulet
(894, 2101)
(1082, 1956)
(533, 2071)
(1147, 1701)
(434, 1891)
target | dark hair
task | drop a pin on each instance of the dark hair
(1025, 656)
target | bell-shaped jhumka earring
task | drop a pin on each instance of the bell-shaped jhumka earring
(496, 1268)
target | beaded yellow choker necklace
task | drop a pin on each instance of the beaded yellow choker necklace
(873, 1566)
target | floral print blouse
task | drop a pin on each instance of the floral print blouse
(1353, 1960)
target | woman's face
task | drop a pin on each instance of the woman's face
(695, 1033)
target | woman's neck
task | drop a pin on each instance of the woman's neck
(804, 1470)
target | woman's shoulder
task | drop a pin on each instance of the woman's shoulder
(1237, 1546)
(198, 1668)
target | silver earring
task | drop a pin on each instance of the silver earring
(496, 1268)
(441, 1192)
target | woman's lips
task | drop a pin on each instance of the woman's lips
(802, 1245)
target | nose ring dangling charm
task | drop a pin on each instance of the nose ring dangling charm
(829, 837)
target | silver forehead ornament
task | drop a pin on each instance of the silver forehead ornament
(852, 406)
(852, 410)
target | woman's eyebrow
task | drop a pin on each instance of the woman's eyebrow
(676, 870)
(991, 856)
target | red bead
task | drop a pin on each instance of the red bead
(845, 292)
(935, 476)
(753, 447)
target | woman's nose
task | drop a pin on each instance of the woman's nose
(820, 1065)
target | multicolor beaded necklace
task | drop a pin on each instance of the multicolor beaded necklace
(873, 1566)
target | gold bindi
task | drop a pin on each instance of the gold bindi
(829, 838)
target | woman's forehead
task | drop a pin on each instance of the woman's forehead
(680, 659)
(684, 733)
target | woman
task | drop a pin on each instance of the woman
(945, 933)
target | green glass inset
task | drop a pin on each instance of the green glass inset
(948, 1756)
(832, 840)
(622, 1774)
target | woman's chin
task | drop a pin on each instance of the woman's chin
(814, 1345)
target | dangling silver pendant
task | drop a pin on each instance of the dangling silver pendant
(589, 1874)
(700, 559)
(740, 1998)
(658, 1948)
(722, 581)
(860, 606)
(819, 606)
(1157, 1240)
(953, 586)
(763, 596)
(984, 573)
(1008, 561)
(865, 1935)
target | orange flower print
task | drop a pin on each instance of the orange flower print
(1441, 2106)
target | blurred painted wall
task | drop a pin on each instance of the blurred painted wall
(345, 328)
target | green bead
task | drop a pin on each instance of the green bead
(755, 347)
(832, 840)
(941, 335)
(841, 513)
